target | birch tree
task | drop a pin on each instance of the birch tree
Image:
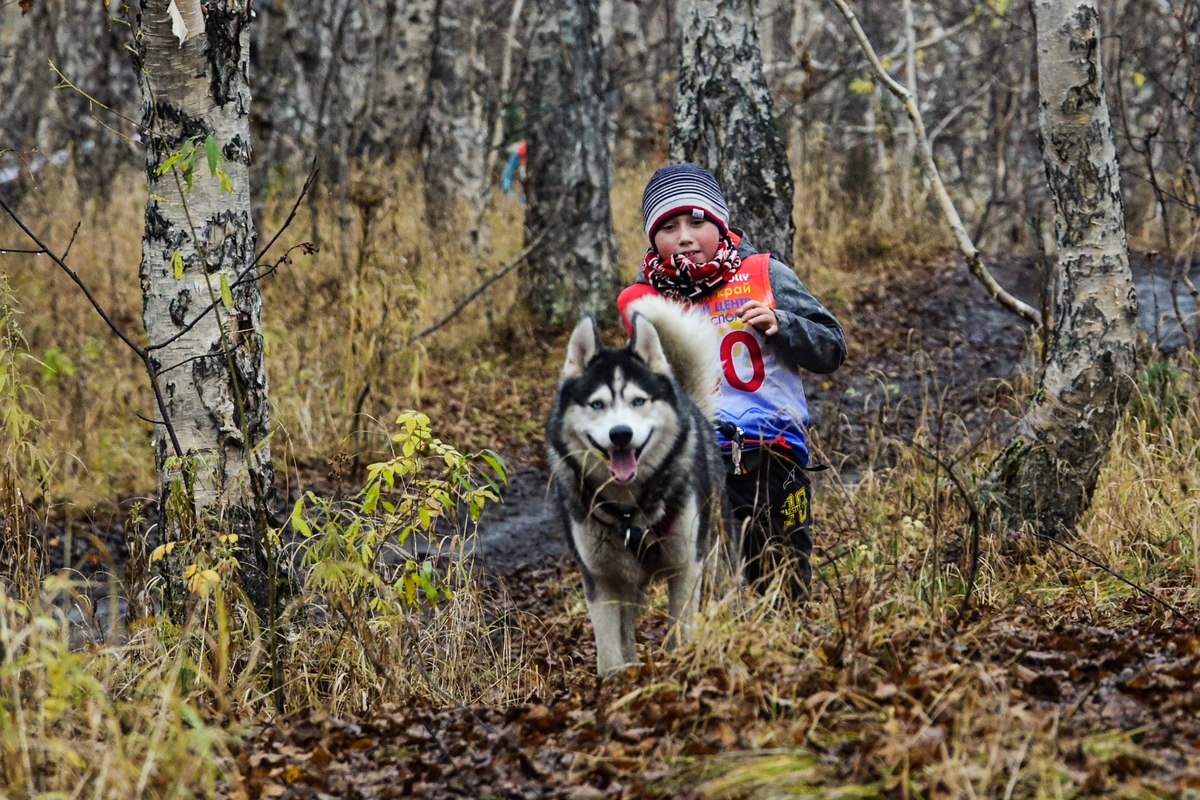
(722, 120)
(455, 133)
(62, 66)
(201, 304)
(1047, 473)
(573, 268)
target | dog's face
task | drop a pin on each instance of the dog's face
(618, 406)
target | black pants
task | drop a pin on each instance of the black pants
(772, 504)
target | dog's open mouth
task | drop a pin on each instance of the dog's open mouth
(622, 461)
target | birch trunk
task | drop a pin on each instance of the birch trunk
(572, 269)
(455, 128)
(1048, 472)
(198, 245)
(723, 121)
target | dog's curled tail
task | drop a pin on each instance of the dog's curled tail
(691, 346)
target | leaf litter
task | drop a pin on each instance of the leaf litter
(856, 696)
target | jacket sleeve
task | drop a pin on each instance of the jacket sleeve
(808, 335)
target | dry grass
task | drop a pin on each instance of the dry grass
(121, 720)
(925, 701)
(379, 277)
(883, 669)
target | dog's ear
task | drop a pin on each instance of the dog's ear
(646, 345)
(581, 348)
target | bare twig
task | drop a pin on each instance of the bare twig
(377, 663)
(308, 182)
(1192, 622)
(142, 354)
(307, 247)
(962, 237)
(962, 482)
(975, 513)
(481, 288)
(66, 83)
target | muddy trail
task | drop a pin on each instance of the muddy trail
(926, 347)
(924, 339)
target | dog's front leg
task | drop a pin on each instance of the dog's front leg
(683, 601)
(614, 620)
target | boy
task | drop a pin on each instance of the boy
(770, 325)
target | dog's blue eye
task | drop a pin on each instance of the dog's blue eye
(597, 405)
(639, 401)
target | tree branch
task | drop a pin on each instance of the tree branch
(962, 237)
(308, 182)
(151, 370)
(1139, 589)
(481, 288)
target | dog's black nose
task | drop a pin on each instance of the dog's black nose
(620, 435)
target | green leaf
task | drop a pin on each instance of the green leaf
(170, 162)
(1139, 80)
(298, 518)
(263, 441)
(494, 461)
(177, 265)
(213, 153)
(226, 293)
(54, 363)
(372, 498)
(862, 85)
(425, 579)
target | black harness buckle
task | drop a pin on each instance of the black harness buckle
(632, 534)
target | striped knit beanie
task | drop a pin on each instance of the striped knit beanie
(682, 187)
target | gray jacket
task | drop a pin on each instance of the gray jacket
(809, 336)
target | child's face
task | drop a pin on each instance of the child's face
(696, 238)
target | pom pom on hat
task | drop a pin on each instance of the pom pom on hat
(682, 187)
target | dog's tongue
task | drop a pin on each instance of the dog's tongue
(622, 464)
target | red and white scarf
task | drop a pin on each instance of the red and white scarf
(680, 278)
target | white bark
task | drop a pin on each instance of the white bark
(723, 121)
(1048, 472)
(1085, 182)
(572, 270)
(455, 128)
(208, 355)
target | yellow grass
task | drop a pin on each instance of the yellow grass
(883, 664)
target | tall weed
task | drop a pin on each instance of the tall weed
(391, 607)
(24, 472)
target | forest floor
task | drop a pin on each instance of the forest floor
(920, 339)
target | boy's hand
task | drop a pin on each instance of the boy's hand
(760, 317)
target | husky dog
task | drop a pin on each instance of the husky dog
(636, 469)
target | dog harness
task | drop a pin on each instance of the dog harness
(633, 537)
